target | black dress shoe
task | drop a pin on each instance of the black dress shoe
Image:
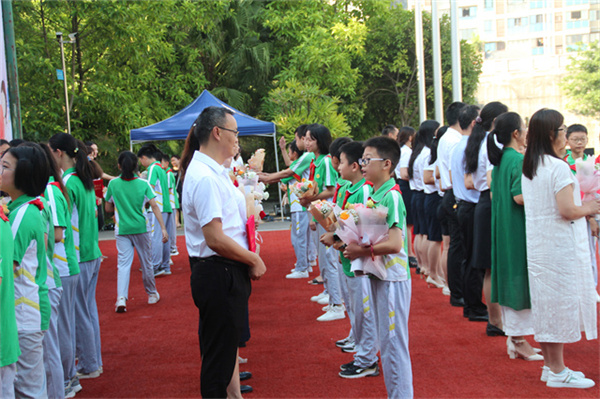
(412, 262)
(476, 317)
(459, 303)
(246, 388)
(493, 331)
(245, 375)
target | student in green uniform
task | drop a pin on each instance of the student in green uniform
(150, 158)
(510, 280)
(127, 196)
(174, 201)
(24, 177)
(9, 342)
(65, 260)
(70, 155)
(318, 140)
(391, 297)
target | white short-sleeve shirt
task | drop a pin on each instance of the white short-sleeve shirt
(445, 149)
(405, 153)
(430, 188)
(483, 166)
(209, 194)
(416, 183)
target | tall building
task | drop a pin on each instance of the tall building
(527, 45)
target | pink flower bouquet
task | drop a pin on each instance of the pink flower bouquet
(323, 213)
(588, 176)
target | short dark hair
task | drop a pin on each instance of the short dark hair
(322, 135)
(353, 151)
(3, 142)
(294, 148)
(576, 128)
(32, 170)
(387, 148)
(406, 132)
(175, 156)
(149, 151)
(334, 148)
(301, 130)
(467, 115)
(16, 142)
(200, 132)
(452, 112)
(388, 129)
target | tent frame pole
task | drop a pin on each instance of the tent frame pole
(277, 168)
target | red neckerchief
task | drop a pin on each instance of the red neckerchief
(133, 178)
(395, 188)
(2, 215)
(348, 194)
(337, 189)
(38, 203)
(169, 170)
(312, 170)
(572, 167)
(52, 183)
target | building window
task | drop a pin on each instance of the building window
(594, 15)
(517, 22)
(469, 12)
(488, 4)
(537, 4)
(467, 34)
(488, 25)
(576, 2)
(539, 42)
(575, 14)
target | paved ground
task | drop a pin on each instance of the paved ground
(264, 226)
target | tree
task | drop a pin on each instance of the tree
(582, 81)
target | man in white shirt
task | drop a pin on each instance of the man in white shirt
(217, 244)
(456, 255)
(466, 200)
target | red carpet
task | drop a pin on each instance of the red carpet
(152, 351)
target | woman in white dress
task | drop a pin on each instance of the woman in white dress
(560, 275)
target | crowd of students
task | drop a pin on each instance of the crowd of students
(50, 258)
(488, 214)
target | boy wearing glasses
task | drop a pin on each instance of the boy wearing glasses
(577, 138)
(391, 297)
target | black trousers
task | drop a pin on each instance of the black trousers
(456, 255)
(220, 289)
(473, 276)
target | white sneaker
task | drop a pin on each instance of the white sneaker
(297, 274)
(170, 261)
(324, 300)
(325, 308)
(446, 290)
(174, 252)
(153, 298)
(317, 297)
(120, 305)
(546, 370)
(335, 312)
(568, 379)
(313, 263)
(309, 269)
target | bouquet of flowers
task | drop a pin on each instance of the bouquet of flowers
(304, 188)
(257, 160)
(255, 192)
(365, 226)
(588, 176)
(323, 212)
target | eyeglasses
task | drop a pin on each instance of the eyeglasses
(3, 168)
(236, 132)
(366, 161)
(578, 140)
(561, 129)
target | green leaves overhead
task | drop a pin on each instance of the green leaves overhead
(582, 82)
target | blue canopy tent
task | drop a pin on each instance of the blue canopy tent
(178, 126)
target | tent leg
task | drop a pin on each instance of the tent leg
(277, 168)
(130, 146)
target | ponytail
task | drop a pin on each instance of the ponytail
(191, 146)
(128, 163)
(504, 127)
(55, 172)
(76, 150)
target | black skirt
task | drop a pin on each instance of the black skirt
(482, 233)
(407, 198)
(418, 210)
(434, 227)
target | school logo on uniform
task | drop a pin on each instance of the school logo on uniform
(318, 176)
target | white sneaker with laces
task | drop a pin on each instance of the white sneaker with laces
(175, 252)
(568, 379)
(317, 297)
(120, 306)
(325, 308)
(335, 312)
(313, 263)
(324, 300)
(297, 274)
(546, 370)
(153, 298)
(446, 290)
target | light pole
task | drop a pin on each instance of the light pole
(59, 37)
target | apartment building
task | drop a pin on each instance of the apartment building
(527, 45)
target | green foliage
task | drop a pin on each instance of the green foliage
(582, 82)
(349, 64)
(297, 103)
